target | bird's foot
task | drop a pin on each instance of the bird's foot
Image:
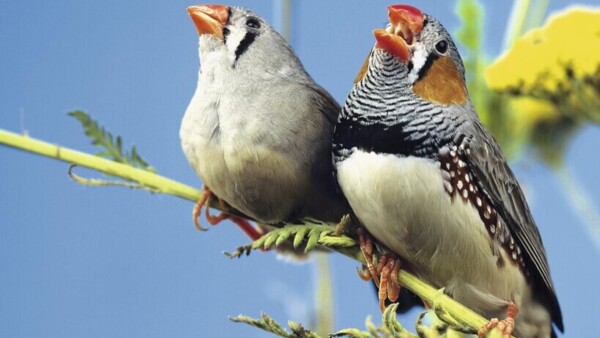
(385, 274)
(203, 201)
(365, 243)
(388, 266)
(505, 326)
(246, 227)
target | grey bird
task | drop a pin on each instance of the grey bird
(430, 183)
(258, 129)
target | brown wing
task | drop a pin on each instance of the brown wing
(497, 180)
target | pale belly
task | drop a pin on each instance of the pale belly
(402, 202)
(252, 178)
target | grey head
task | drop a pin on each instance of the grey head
(237, 40)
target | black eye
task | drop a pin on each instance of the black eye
(442, 46)
(253, 23)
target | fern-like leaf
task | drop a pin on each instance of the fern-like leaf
(268, 324)
(112, 148)
(309, 234)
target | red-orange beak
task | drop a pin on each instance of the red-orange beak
(405, 23)
(209, 19)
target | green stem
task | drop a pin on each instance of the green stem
(146, 179)
(432, 295)
(580, 202)
(323, 296)
(516, 22)
(167, 186)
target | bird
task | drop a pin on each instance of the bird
(258, 129)
(430, 183)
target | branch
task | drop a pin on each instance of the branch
(145, 179)
(311, 232)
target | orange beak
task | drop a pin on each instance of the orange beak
(209, 19)
(405, 23)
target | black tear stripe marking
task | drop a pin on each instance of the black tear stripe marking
(428, 63)
(244, 44)
(458, 183)
(226, 32)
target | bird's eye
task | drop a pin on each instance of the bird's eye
(253, 23)
(442, 46)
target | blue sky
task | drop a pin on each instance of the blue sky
(110, 262)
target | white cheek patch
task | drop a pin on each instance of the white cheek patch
(418, 60)
(233, 41)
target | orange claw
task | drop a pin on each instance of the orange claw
(246, 227)
(198, 208)
(366, 246)
(506, 325)
(384, 275)
(364, 273)
(389, 287)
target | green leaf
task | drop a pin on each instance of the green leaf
(112, 149)
(471, 15)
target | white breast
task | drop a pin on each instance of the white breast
(221, 143)
(402, 202)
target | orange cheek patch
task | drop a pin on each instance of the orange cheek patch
(442, 84)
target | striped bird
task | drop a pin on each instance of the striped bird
(432, 186)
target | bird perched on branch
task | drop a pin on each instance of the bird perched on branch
(431, 184)
(258, 129)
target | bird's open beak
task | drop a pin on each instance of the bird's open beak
(209, 19)
(405, 23)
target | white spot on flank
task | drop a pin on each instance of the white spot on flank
(459, 184)
(465, 193)
(492, 228)
(478, 202)
(501, 236)
(448, 187)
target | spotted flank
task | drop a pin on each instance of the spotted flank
(459, 183)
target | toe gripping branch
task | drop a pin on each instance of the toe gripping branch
(204, 201)
(506, 326)
(384, 274)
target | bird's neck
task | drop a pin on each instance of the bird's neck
(383, 114)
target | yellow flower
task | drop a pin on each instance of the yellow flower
(568, 45)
